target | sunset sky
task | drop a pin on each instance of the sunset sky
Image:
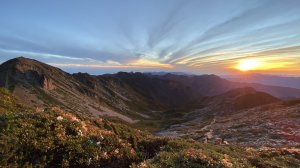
(197, 36)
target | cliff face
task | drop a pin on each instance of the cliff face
(47, 83)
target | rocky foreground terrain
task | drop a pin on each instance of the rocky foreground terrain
(50, 118)
(275, 124)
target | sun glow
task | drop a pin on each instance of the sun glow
(248, 64)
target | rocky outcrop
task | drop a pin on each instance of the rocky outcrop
(47, 83)
(27, 72)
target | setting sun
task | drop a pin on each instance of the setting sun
(247, 65)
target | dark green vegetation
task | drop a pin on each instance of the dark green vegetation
(53, 137)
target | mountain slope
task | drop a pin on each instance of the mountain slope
(57, 138)
(132, 97)
(241, 98)
(211, 85)
(154, 91)
(42, 85)
(243, 116)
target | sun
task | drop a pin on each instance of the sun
(248, 64)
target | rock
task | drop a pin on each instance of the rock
(47, 83)
(209, 135)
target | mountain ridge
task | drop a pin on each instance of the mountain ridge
(129, 96)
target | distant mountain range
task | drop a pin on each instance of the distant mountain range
(123, 95)
(165, 73)
(157, 102)
(285, 81)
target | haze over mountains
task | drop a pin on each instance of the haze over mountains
(286, 81)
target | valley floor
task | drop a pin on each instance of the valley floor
(274, 125)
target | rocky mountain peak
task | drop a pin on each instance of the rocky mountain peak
(26, 71)
(22, 64)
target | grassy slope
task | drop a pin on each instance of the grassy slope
(56, 138)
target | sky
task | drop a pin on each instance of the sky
(195, 36)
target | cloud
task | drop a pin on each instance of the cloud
(63, 65)
(149, 64)
(252, 26)
(166, 25)
(46, 55)
(140, 63)
(171, 34)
